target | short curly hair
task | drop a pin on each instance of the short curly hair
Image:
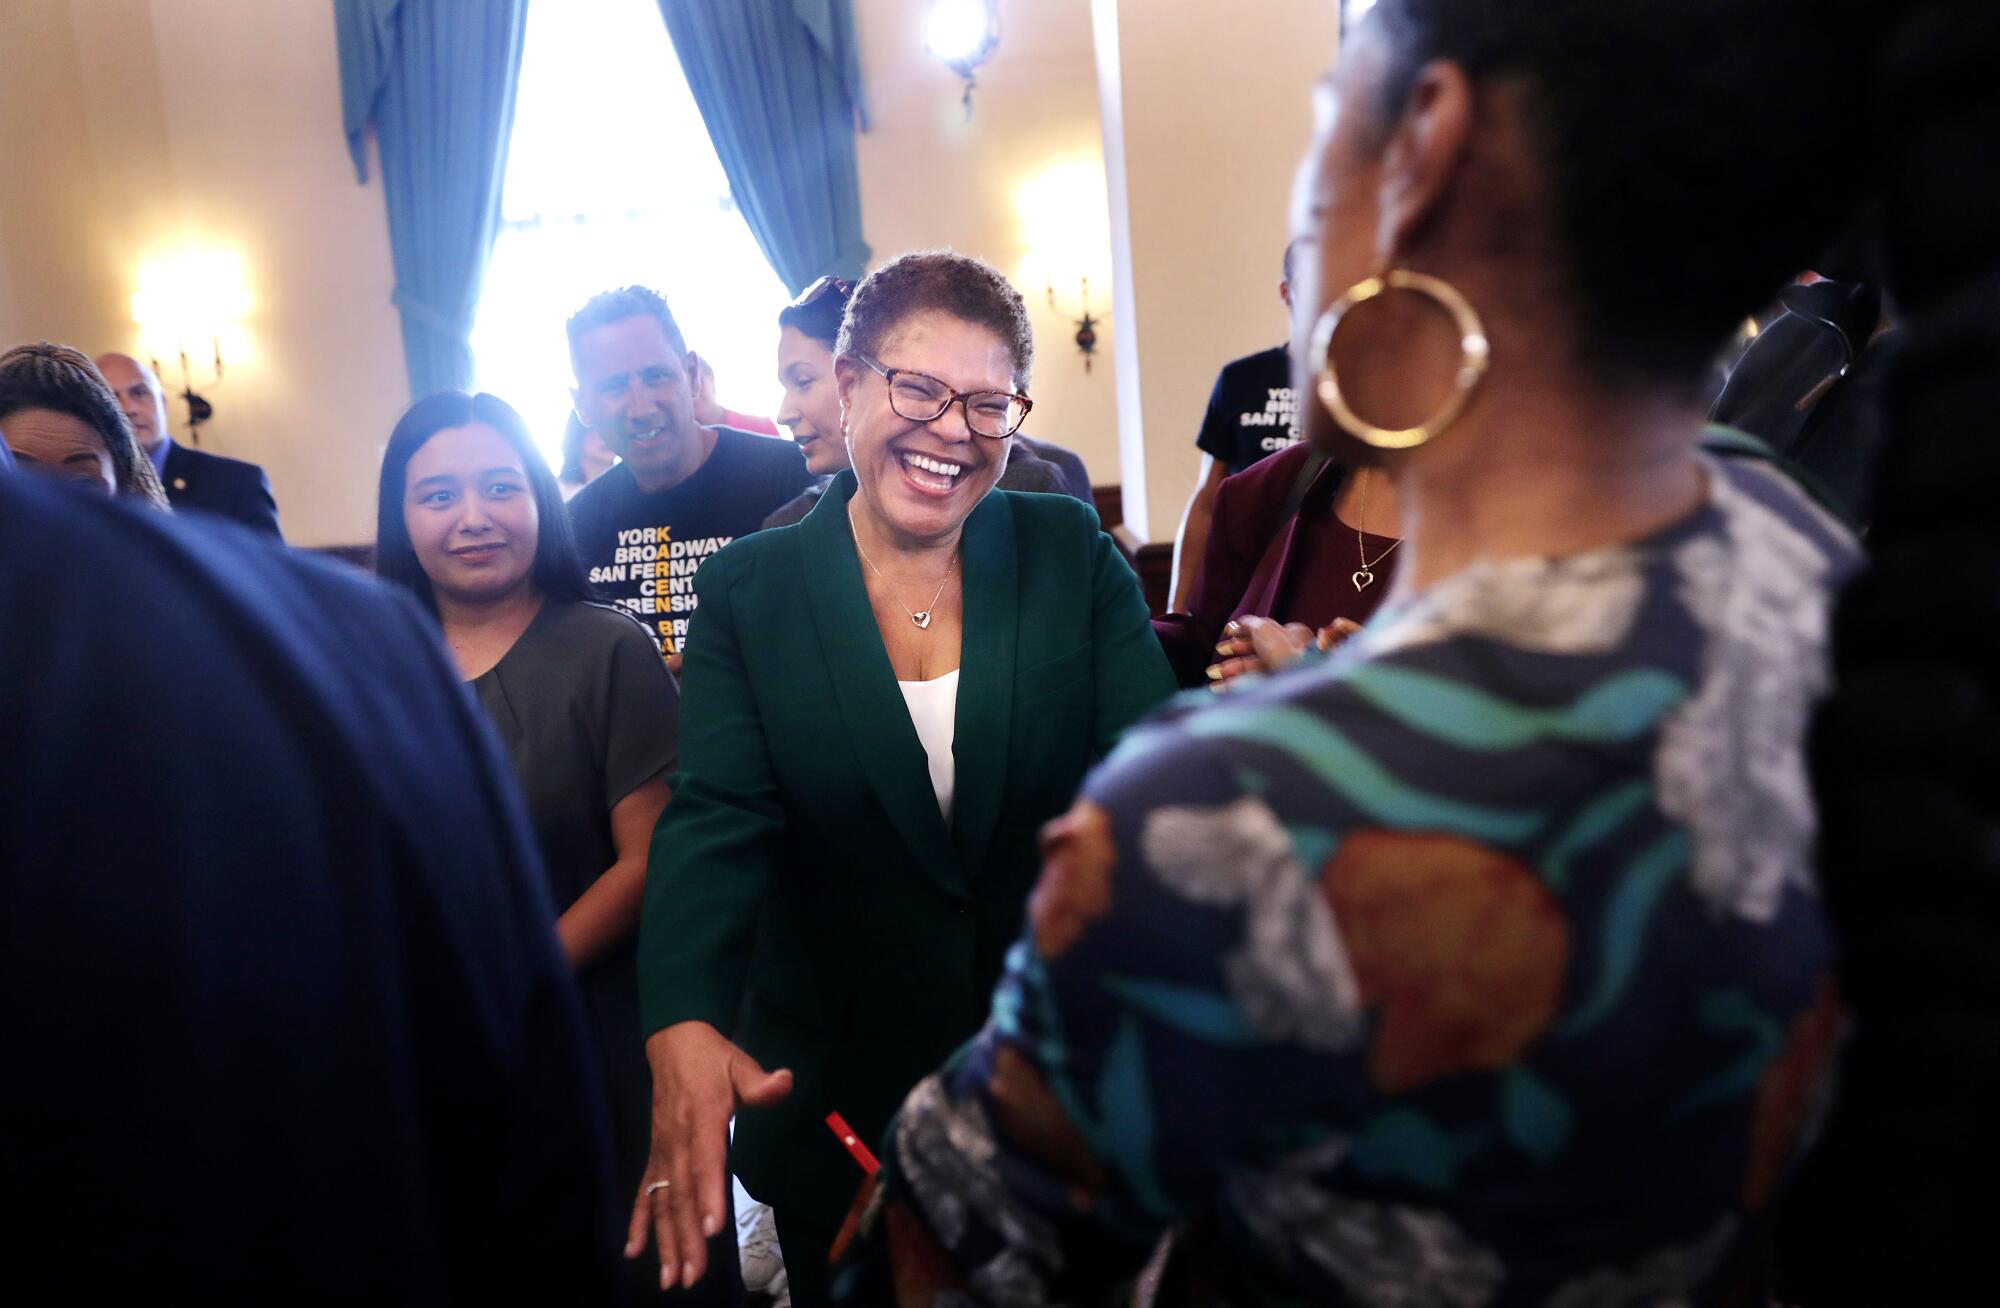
(62, 380)
(943, 280)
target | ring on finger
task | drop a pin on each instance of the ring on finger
(657, 1186)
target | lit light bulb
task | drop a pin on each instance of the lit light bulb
(955, 30)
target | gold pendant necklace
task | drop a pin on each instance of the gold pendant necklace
(922, 619)
(1366, 577)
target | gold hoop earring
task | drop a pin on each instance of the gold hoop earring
(1476, 354)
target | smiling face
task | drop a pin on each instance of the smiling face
(470, 511)
(633, 389)
(60, 445)
(921, 479)
(811, 406)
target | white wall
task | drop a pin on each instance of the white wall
(150, 127)
(1208, 108)
(138, 128)
(929, 178)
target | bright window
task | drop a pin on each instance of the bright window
(611, 180)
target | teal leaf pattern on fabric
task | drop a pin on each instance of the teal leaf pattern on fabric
(1618, 708)
(1329, 755)
(1688, 938)
(1203, 1014)
(1535, 1117)
(1005, 1015)
(1125, 1115)
(1598, 819)
(1404, 1145)
(1731, 1012)
(1626, 918)
(1314, 846)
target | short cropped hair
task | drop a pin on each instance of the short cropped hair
(62, 380)
(957, 284)
(616, 306)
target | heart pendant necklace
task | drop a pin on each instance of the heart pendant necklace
(922, 618)
(1366, 576)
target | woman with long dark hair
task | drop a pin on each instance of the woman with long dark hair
(471, 521)
(1481, 963)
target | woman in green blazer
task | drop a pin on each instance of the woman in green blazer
(881, 707)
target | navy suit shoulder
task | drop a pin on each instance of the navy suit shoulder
(214, 483)
(214, 465)
(266, 866)
(1076, 477)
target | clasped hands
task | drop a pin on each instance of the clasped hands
(1252, 645)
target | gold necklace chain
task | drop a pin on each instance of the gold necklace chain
(1366, 577)
(922, 619)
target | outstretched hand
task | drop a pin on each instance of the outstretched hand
(700, 1079)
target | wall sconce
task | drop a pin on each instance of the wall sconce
(1065, 228)
(1086, 326)
(963, 33)
(191, 301)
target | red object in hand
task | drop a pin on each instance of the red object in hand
(852, 1142)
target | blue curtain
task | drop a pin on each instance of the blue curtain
(437, 79)
(778, 83)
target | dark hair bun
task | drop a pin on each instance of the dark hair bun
(821, 318)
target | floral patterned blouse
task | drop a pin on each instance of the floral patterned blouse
(1479, 965)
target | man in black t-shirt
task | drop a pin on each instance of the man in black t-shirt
(681, 491)
(1252, 413)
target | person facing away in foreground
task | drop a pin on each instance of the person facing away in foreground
(884, 703)
(1481, 964)
(275, 959)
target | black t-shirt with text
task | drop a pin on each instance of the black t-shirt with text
(1252, 412)
(642, 550)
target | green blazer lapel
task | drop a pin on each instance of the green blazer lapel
(878, 720)
(986, 676)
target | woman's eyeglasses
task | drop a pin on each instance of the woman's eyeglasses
(918, 397)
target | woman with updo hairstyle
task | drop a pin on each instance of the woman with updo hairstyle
(1482, 963)
(883, 706)
(810, 407)
(62, 420)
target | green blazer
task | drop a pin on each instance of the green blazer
(804, 892)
